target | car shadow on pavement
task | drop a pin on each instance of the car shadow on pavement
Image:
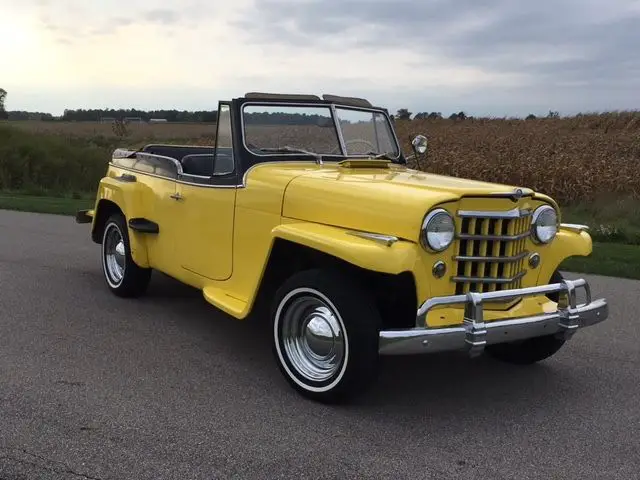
(435, 384)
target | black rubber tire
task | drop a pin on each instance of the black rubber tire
(532, 350)
(526, 352)
(135, 281)
(358, 316)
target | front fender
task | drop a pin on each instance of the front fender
(127, 197)
(568, 243)
(362, 252)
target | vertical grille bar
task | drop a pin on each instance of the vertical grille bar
(496, 267)
(492, 250)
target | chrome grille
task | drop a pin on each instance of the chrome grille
(491, 250)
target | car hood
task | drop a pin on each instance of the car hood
(390, 201)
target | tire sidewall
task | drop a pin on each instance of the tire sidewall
(302, 382)
(355, 311)
(115, 223)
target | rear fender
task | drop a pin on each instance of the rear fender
(128, 198)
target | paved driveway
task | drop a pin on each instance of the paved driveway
(92, 386)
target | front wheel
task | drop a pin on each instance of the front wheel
(325, 335)
(124, 278)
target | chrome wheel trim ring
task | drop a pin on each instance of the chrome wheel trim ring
(311, 339)
(113, 255)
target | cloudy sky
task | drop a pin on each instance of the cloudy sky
(486, 57)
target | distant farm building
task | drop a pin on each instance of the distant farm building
(157, 120)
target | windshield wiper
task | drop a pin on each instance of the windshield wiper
(289, 149)
(386, 155)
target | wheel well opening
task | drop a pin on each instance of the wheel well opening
(104, 210)
(395, 294)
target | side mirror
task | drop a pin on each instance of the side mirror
(420, 144)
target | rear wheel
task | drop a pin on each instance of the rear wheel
(124, 278)
(325, 335)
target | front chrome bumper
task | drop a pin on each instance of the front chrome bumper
(474, 333)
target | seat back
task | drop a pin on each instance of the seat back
(198, 164)
(195, 159)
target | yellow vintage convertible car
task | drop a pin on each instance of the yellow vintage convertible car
(305, 204)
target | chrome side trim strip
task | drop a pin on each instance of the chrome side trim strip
(387, 240)
(574, 227)
(204, 177)
(178, 180)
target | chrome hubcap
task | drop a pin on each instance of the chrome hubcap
(312, 338)
(114, 254)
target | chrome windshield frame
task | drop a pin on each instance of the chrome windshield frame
(336, 125)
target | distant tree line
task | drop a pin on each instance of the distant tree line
(203, 116)
(405, 114)
(82, 115)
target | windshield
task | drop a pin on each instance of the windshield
(310, 129)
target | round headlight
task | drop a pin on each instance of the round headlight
(438, 230)
(544, 224)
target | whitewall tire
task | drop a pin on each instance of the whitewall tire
(123, 277)
(325, 331)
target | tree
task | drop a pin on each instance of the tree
(3, 113)
(403, 114)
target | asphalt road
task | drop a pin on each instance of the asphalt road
(92, 386)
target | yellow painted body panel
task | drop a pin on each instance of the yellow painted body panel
(387, 201)
(205, 239)
(148, 197)
(219, 239)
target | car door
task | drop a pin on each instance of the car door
(207, 206)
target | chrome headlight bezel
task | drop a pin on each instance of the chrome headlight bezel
(430, 219)
(541, 214)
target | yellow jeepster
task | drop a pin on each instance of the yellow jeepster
(306, 205)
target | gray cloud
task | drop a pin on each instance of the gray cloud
(162, 16)
(576, 46)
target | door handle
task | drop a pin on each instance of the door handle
(176, 196)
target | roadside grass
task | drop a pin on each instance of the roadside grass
(609, 219)
(610, 259)
(39, 204)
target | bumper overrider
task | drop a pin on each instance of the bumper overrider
(474, 333)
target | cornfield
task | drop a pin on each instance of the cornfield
(577, 159)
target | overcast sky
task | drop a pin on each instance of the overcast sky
(486, 57)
